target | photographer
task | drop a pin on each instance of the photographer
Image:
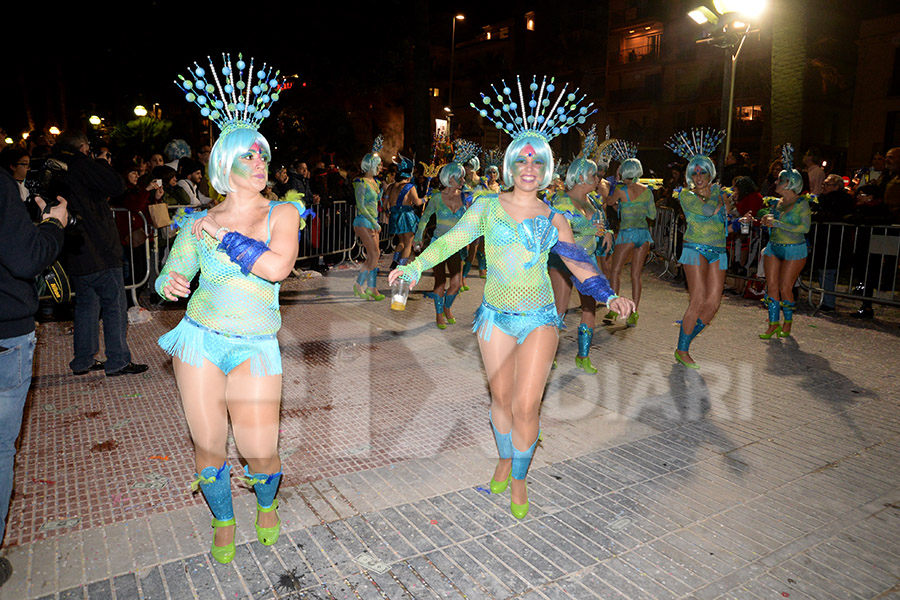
(25, 250)
(93, 259)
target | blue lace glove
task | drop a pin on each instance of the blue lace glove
(242, 250)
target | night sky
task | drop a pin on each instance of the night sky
(103, 57)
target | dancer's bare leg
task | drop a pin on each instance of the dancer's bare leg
(696, 279)
(202, 392)
(637, 269)
(500, 365)
(454, 266)
(254, 404)
(790, 270)
(623, 251)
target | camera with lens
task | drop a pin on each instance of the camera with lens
(45, 179)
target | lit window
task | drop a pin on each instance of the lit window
(529, 21)
(748, 113)
(488, 35)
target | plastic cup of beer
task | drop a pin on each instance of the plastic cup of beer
(399, 294)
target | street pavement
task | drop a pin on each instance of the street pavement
(772, 472)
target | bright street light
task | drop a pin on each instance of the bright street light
(94, 120)
(54, 130)
(9, 141)
(702, 15)
(140, 111)
(746, 8)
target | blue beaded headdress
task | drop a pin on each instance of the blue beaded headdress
(589, 145)
(787, 157)
(464, 150)
(603, 151)
(378, 144)
(696, 142)
(535, 120)
(620, 150)
(492, 158)
(240, 103)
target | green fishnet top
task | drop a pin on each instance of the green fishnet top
(582, 227)
(517, 277)
(705, 224)
(791, 226)
(445, 217)
(366, 200)
(226, 300)
(633, 214)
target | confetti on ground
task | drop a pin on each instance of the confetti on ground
(47, 481)
(159, 457)
(134, 395)
(481, 489)
(60, 524)
(153, 481)
(434, 522)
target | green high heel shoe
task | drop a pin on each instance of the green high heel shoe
(685, 363)
(611, 316)
(223, 554)
(585, 363)
(519, 511)
(774, 332)
(450, 319)
(782, 333)
(498, 487)
(359, 291)
(267, 535)
(374, 296)
(632, 320)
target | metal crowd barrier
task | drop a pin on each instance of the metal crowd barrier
(667, 232)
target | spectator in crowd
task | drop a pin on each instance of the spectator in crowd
(208, 194)
(889, 182)
(282, 181)
(873, 269)
(175, 151)
(17, 162)
(812, 165)
(93, 260)
(25, 250)
(734, 167)
(748, 202)
(190, 174)
(156, 160)
(136, 199)
(767, 188)
(829, 242)
(169, 179)
(872, 173)
(301, 179)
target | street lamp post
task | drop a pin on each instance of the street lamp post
(449, 108)
(726, 29)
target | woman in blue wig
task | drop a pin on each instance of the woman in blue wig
(703, 255)
(225, 354)
(636, 205)
(403, 199)
(517, 322)
(581, 207)
(784, 256)
(367, 192)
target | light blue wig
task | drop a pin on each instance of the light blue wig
(227, 149)
(542, 152)
(631, 169)
(370, 163)
(452, 171)
(580, 171)
(474, 163)
(792, 180)
(702, 164)
(493, 169)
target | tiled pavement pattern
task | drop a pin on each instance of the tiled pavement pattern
(770, 473)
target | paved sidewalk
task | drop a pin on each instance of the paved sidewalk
(770, 473)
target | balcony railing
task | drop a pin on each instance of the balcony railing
(639, 55)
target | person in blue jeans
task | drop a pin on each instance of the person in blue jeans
(25, 250)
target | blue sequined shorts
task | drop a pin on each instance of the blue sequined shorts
(403, 220)
(361, 221)
(691, 253)
(191, 342)
(797, 251)
(515, 324)
(636, 235)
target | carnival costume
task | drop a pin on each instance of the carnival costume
(787, 241)
(367, 194)
(403, 216)
(706, 232)
(233, 315)
(518, 296)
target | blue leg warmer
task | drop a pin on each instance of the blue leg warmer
(482, 260)
(521, 460)
(373, 278)
(402, 262)
(264, 485)
(448, 299)
(774, 309)
(362, 277)
(684, 340)
(504, 440)
(585, 337)
(788, 310)
(215, 484)
(467, 266)
(438, 302)
(396, 257)
(697, 329)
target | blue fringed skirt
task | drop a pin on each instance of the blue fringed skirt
(515, 324)
(691, 253)
(191, 342)
(403, 220)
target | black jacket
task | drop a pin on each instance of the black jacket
(92, 244)
(25, 251)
